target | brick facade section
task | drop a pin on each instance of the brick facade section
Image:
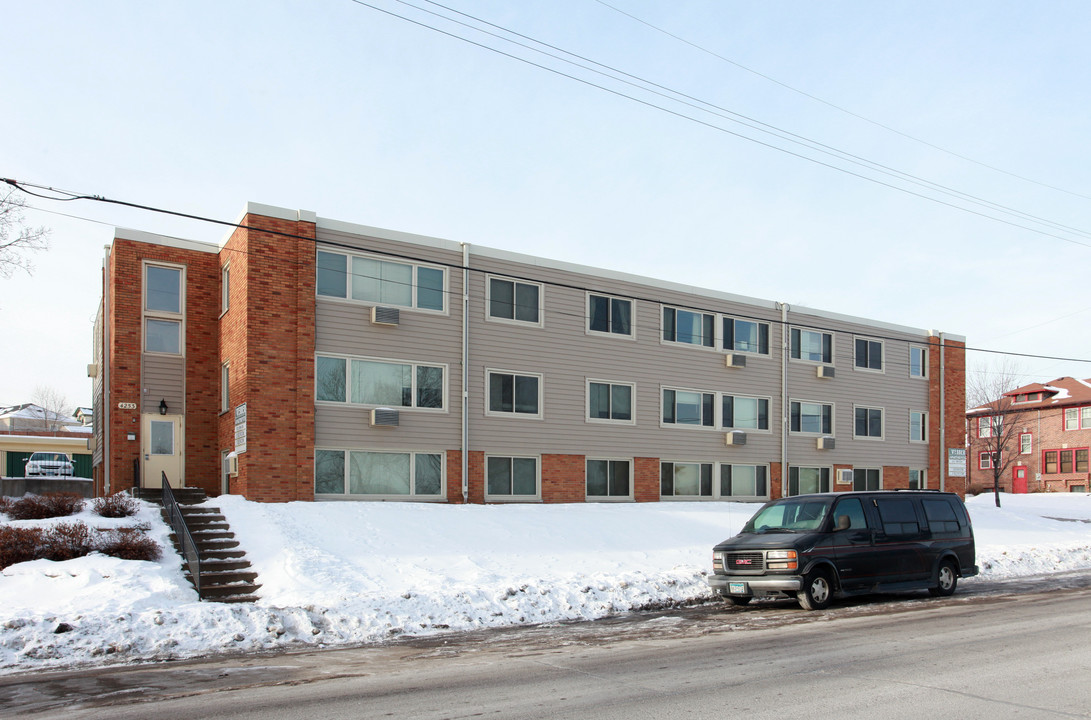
(953, 376)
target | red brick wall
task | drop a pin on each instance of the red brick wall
(646, 479)
(563, 478)
(953, 376)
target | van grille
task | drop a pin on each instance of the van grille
(744, 561)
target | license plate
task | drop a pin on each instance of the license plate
(737, 588)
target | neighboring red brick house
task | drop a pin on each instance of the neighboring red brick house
(1042, 433)
(312, 359)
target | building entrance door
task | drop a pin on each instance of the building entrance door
(1019, 479)
(162, 440)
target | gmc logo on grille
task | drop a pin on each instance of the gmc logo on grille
(744, 561)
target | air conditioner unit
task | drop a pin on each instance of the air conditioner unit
(735, 437)
(384, 417)
(231, 463)
(381, 315)
(826, 442)
(844, 476)
(825, 371)
(735, 360)
(91, 444)
(92, 370)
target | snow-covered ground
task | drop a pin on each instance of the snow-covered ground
(352, 573)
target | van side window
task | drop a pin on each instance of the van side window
(898, 516)
(942, 519)
(849, 515)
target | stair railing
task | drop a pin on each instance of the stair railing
(181, 531)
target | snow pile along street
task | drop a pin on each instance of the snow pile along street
(352, 573)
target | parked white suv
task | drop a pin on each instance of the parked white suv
(48, 463)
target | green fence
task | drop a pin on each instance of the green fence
(17, 461)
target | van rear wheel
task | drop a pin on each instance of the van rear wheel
(817, 591)
(946, 580)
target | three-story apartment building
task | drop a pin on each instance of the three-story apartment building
(307, 358)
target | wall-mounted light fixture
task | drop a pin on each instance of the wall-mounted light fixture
(163, 407)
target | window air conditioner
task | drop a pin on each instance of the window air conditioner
(381, 315)
(825, 371)
(735, 437)
(844, 477)
(735, 360)
(826, 442)
(384, 417)
(232, 463)
(92, 370)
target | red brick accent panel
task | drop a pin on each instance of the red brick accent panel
(646, 479)
(454, 476)
(895, 478)
(775, 481)
(563, 478)
(953, 376)
(476, 472)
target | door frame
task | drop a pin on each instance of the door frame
(174, 465)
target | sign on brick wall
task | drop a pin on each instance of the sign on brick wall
(956, 462)
(240, 428)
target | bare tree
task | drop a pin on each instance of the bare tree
(55, 406)
(16, 239)
(993, 426)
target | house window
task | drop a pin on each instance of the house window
(1077, 418)
(810, 417)
(689, 407)
(918, 362)
(685, 479)
(162, 437)
(1049, 461)
(376, 382)
(163, 309)
(869, 354)
(866, 479)
(691, 328)
(378, 474)
(990, 426)
(744, 481)
(745, 413)
(918, 479)
(988, 460)
(609, 315)
(812, 346)
(608, 479)
(519, 302)
(225, 387)
(868, 423)
(1026, 441)
(511, 478)
(1065, 461)
(610, 402)
(380, 282)
(514, 394)
(918, 426)
(746, 336)
(803, 480)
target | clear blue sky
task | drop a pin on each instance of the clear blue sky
(363, 117)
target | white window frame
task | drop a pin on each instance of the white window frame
(715, 426)
(768, 418)
(689, 498)
(792, 347)
(610, 498)
(611, 383)
(830, 479)
(858, 472)
(225, 288)
(225, 387)
(166, 316)
(412, 496)
(733, 319)
(489, 317)
(414, 270)
(990, 425)
(631, 335)
(882, 422)
(718, 479)
(870, 342)
(1077, 418)
(714, 347)
(513, 414)
(349, 359)
(985, 460)
(833, 417)
(923, 375)
(923, 425)
(1026, 443)
(922, 479)
(537, 497)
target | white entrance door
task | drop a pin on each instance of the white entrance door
(161, 444)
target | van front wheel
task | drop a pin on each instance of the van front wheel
(946, 580)
(817, 591)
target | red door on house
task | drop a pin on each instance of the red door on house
(1019, 479)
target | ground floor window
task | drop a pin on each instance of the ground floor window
(379, 474)
(918, 480)
(685, 479)
(744, 482)
(803, 480)
(511, 478)
(867, 479)
(609, 479)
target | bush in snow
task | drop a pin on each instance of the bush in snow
(67, 541)
(19, 544)
(118, 505)
(128, 544)
(40, 507)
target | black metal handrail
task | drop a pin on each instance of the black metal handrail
(181, 531)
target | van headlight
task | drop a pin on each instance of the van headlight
(782, 560)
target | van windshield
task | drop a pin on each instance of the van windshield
(789, 516)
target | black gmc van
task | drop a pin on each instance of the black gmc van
(813, 547)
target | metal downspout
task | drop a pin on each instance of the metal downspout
(783, 398)
(465, 370)
(943, 420)
(105, 410)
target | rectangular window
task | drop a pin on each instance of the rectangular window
(745, 413)
(810, 417)
(225, 288)
(380, 282)
(163, 309)
(1026, 441)
(1077, 418)
(378, 474)
(869, 354)
(1081, 461)
(514, 394)
(989, 426)
(689, 407)
(744, 481)
(225, 387)
(918, 480)
(1049, 461)
(610, 315)
(866, 479)
(898, 516)
(377, 382)
(918, 362)
(610, 401)
(812, 346)
(511, 478)
(746, 336)
(918, 426)
(868, 423)
(162, 437)
(804, 480)
(516, 301)
(1065, 461)
(608, 479)
(685, 479)
(163, 336)
(987, 460)
(691, 328)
